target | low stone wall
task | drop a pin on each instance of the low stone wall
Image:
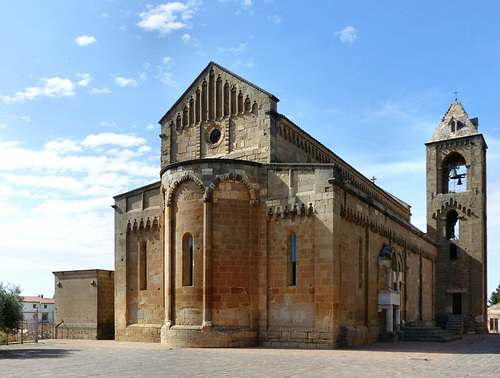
(216, 337)
(360, 335)
(140, 332)
(81, 331)
(284, 337)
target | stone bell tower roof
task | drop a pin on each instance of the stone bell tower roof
(455, 124)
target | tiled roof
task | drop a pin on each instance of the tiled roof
(39, 299)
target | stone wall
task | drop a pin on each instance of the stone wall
(84, 304)
(139, 293)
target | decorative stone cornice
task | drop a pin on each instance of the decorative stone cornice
(143, 225)
(354, 216)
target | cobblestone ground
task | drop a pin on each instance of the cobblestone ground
(474, 356)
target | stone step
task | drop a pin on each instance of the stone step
(434, 334)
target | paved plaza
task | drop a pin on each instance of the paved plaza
(474, 356)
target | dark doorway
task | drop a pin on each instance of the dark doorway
(457, 303)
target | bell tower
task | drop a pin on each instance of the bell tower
(456, 217)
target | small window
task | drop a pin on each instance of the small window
(453, 252)
(143, 266)
(45, 317)
(187, 260)
(34, 306)
(293, 260)
(215, 136)
(44, 306)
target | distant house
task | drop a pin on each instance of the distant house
(494, 318)
(43, 306)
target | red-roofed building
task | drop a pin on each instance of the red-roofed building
(44, 307)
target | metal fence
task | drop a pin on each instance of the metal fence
(31, 330)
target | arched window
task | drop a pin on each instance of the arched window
(454, 174)
(292, 260)
(187, 260)
(143, 266)
(453, 252)
(452, 226)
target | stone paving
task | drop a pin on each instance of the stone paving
(474, 356)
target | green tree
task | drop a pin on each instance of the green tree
(11, 308)
(495, 297)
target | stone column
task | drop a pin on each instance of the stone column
(207, 262)
(389, 319)
(168, 265)
(397, 317)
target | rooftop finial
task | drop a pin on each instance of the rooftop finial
(456, 93)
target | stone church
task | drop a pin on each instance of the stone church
(258, 234)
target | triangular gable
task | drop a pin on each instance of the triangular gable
(455, 124)
(191, 90)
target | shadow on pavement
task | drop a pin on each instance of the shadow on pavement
(14, 354)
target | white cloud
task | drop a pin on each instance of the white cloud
(45, 181)
(151, 127)
(166, 78)
(167, 61)
(187, 39)
(276, 19)
(123, 82)
(348, 35)
(168, 17)
(25, 118)
(104, 15)
(51, 87)
(85, 40)
(98, 91)
(85, 79)
(112, 138)
(236, 50)
(247, 3)
(3, 126)
(62, 145)
(109, 124)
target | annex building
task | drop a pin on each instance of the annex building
(257, 234)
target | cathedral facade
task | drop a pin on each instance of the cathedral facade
(257, 234)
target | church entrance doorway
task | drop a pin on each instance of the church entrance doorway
(457, 303)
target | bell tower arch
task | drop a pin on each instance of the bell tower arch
(456, 217)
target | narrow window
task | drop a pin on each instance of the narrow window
(360, 263)
(218, 98)
(143, 267)
(204, 96)
(233, 101)
(453, 252)
(34, 306)
(453, 126)
(240, 103)
(187, 260)
(293, 261)
(226, 99)
(185, 120)
(452, 226)
(211, 95)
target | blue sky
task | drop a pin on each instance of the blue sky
(83, 85)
